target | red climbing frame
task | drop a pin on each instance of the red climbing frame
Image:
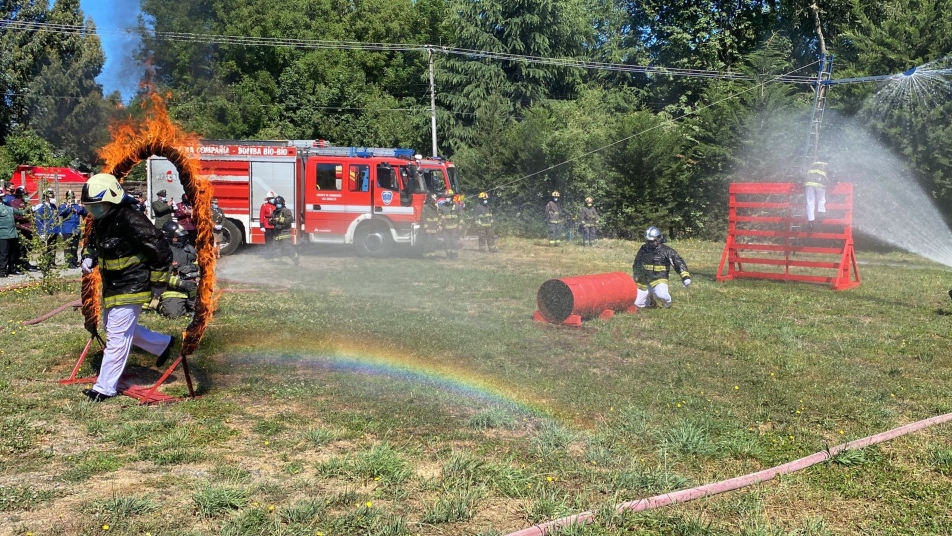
(767, 230)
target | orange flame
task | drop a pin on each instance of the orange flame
(135, 141)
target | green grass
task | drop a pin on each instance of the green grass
(417, 396)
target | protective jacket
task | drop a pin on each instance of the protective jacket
(431, 219)
(588, 216)
(449, 215)
(282, 220)
(653, 262)
(817, 175)
(132, 255)
(483, 216)
(553, 213)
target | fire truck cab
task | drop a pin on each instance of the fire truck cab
(369, 197)
(59, 179)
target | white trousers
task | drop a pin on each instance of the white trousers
(122, 331)
(815, 196)
(658, 292)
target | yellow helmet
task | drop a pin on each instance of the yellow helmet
(483, 195)
(589, 200)
(449, 192)
(555, 193)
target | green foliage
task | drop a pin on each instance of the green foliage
(216, 501)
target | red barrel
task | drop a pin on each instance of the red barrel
(586, 296)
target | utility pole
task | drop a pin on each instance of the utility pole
(429, 52)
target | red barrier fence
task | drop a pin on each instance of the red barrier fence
(768, 236)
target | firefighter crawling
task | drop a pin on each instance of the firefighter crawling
(651, 267)
(134, 261)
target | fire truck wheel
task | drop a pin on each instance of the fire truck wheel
(373, 241)
(231, 237)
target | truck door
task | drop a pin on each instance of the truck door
(386, 184)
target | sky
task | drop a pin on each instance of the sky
(121, 72)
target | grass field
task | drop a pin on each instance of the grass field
(416, 396)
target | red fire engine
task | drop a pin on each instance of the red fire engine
(59, 179)
(370, 197)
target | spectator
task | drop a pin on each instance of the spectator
(47, 221)
(9, 241)
(161, 209)
(71, 215)
(24, 223)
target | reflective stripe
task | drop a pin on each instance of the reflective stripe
(282, 236)
(174, 294)
(655, 267)
(158, 276)
(127, 299)
(657, 282)
(121, 263)
(815, 185)
(685, 274)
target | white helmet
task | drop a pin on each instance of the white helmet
(102, 188)
(652, 234)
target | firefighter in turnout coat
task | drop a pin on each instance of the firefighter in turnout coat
(588, 217)
(431, 224)
(553, 219)
(815, 182)
(483, 217)
(282, 220)
(450, 225)
(134, 260)
(179, 299)
(651, 267)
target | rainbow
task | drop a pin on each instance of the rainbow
(452, 378)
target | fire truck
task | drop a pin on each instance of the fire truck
(369, 197)
(36, 180)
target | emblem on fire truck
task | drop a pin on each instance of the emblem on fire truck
(387, 197)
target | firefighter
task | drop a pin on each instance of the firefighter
(264, 220)
(483, 216)
(134, 261)
(588, 217)
(651, 267)
(450, 225)
(431, 224)
(218, 219)
(553, 219)
(161, 209)
(179, 299)
(282, 220)
(815, 181)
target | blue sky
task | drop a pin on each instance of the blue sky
(121, 72)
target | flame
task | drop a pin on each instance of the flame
(132, 142)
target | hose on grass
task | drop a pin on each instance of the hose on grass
(61, 308)
(715, 488)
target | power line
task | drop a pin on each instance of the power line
(315, 44)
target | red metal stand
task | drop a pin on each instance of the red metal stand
(144, 394)
(767, 229)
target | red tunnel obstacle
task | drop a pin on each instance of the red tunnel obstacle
(768, 236)
(569, 300)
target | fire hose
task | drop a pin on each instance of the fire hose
(715, 488)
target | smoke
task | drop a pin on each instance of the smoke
(116, 23)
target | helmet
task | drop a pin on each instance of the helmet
(70, 195)
(483, 195)
(652, 234)
(20, 191)
(270, 195)
(169, 228)
(589, 200)
(279, 200)
(50, 192)
(449, 192)
(102, 188)
(555, 193)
